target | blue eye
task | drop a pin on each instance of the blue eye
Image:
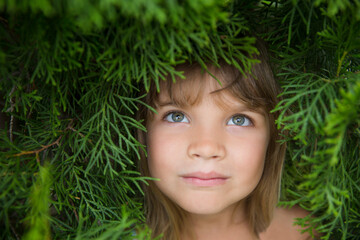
(239, 120)
(176, 117)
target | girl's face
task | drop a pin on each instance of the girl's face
(207, 156)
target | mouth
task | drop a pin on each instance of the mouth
(202, 179)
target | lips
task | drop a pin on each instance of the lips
(202, 179)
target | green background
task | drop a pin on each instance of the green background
(70, 74)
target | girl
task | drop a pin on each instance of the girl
(215, 151)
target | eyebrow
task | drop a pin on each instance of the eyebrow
(246, 108)
(170, 103)
(162, 104)
(236, 107)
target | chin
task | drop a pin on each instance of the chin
(203, 208)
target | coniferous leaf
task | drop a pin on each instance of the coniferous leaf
(71, 80)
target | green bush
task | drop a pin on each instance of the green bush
(70, 74)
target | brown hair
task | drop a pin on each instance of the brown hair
(259, 90)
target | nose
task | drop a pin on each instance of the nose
(206, 146)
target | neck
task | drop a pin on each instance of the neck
(229, 224)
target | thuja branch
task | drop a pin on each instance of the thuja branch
(340, 62)
(70, 127)
(56, 142)
(39, 150)
(74, 209)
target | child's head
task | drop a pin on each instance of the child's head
(214, 147)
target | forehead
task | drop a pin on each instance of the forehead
(193, 92)
(198, 84)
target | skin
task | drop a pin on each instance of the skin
(282, 227)
(208, 163)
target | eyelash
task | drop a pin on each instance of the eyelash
(167, 114)
(251, 122)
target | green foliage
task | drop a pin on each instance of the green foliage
(112, 230)
(318, 67)
(88, 15)
(71, 74)
(38, 216)
(334, 6)
(70, 80)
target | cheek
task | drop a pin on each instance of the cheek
(153, 151)
(160, 150)
(250, 157)
(259, 153)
